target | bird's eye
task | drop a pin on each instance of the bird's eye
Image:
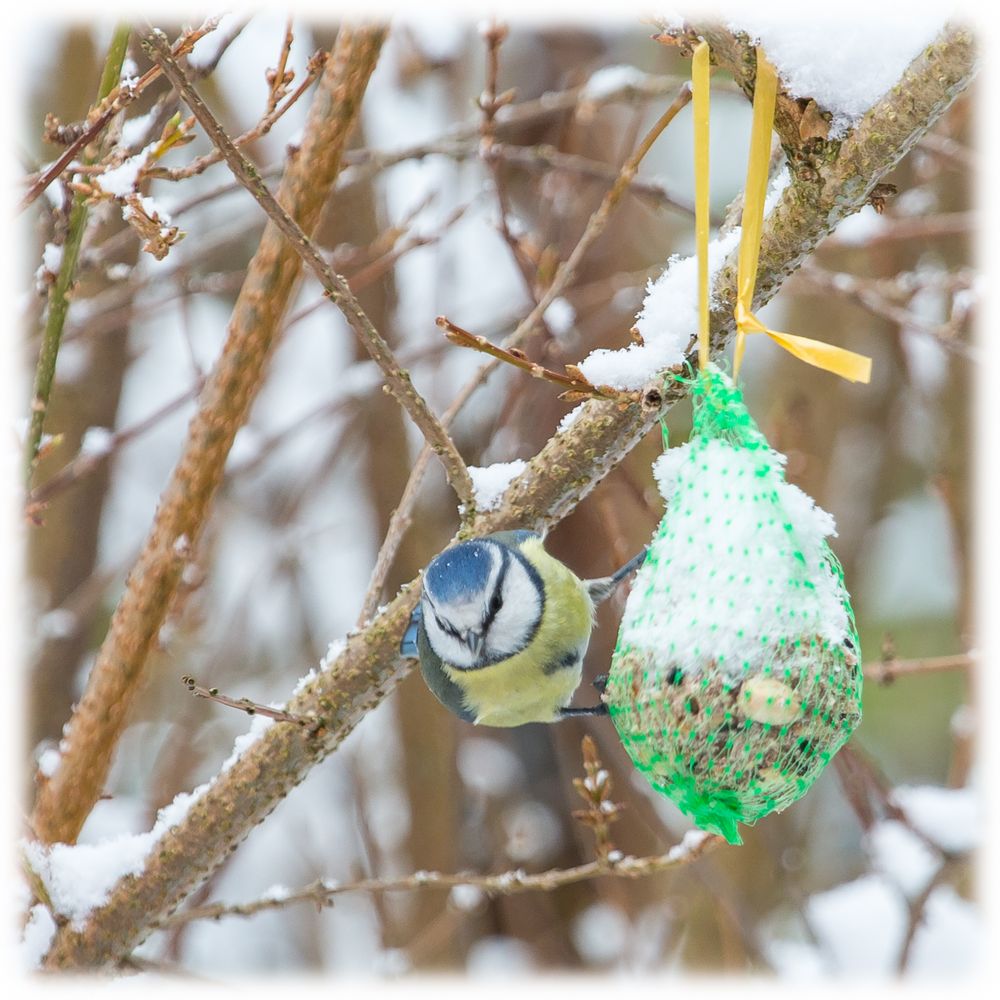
(496, 603)
(446, 627)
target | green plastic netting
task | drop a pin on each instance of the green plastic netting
(736, 674)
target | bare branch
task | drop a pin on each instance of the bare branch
(599, 220)
(248, 706)
(273, 116)
(335, 285)
(64, 801)
(886, 671)
(323, 891)
(564, 275)
(919, 227)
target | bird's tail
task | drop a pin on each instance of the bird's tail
(602, 588)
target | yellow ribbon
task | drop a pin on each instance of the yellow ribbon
(846, 364)
(700, 104)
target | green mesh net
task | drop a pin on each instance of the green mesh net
(736, 674)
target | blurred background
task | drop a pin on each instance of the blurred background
(870, 873)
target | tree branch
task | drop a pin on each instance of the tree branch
(400, 519)
(886, 671)
(322, 891)
(66, 799)
(99, 118)
(556, 479)
(336, 286)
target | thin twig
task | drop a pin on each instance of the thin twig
(199, 165)
(246, 705)
(490, 102)
(545, 157)
(599, 220)
(918, 227)
(886, 671)
(553, 102)
(402, 516)
(59, 294)
(602, 810)
(116, 100)
(509, 883)
(917, 909)
(575, 385)
(278, 78)
(860, 290)
(86, 461)
(336, 286)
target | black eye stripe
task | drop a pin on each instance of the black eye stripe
(496, 600)
(446, 627)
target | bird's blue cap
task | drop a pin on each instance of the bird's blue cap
(459, 571)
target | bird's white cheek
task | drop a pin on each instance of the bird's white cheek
(516, 621)
(446, 646)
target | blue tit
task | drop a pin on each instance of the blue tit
(502, 628)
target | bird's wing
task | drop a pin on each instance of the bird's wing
(513, 538)
(442, 686)
(408, 645)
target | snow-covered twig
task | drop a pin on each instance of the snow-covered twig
(575, 387)
(114, 101)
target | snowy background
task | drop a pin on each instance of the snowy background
(870, 875)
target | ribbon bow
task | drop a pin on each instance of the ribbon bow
(846, 364)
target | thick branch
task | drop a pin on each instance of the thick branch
(66, 799)
(556, 480)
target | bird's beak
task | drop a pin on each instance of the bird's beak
(474, 640)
